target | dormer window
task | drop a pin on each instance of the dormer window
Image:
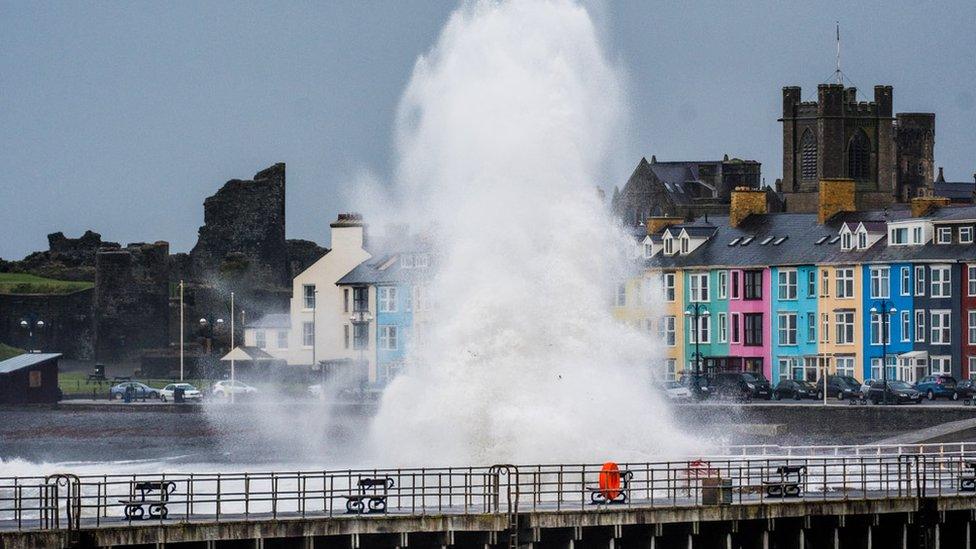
(845, 241)
(684, 245)
(899, 235)
(862, 240)
(668, 244)
(945, 235)
(648, 249)
(916, 235)
(406, 261)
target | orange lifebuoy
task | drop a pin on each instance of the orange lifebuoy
(610, 481)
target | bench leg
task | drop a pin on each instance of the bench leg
(134, 512)
(355, 506)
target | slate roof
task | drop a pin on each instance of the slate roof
(955, 190)
(275, 320)
(371, 272)
(802, 232)
(25, 360)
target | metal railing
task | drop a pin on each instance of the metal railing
(73, 502)
(964, 449)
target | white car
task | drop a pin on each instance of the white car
(189, 392)
(676, 391)
(226, 388)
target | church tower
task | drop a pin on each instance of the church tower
(915, 144)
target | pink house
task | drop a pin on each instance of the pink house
(750, 335)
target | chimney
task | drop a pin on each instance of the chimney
(348, 231)
(923, 205)
(656, 224)
(653, 159)
(745, 202)
(836, 196)
(941, 178)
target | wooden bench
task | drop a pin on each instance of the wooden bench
(371, 497)
(152, 495)
(789, 484)
(967, 479)
(601, 494)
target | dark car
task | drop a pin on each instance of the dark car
(965, 389)
(791, 388)
(840, 387)
(741, 386)
(936, 386)
(898, 392)
(697, 385)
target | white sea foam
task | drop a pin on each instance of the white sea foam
(503, 134)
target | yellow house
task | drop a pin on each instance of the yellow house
(638, 302)
(839, 310)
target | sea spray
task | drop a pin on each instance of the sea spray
(502, 135)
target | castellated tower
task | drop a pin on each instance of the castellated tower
(837, 136)
(915, 144)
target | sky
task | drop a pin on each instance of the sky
(122, 117)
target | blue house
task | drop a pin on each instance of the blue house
(794, 326)
(888, 307)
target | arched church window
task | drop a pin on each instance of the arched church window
(859, 156)
(808, 156)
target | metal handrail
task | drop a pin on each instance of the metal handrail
(30, 503)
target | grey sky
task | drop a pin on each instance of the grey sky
(123, 117)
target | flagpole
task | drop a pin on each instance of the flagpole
(233, 388)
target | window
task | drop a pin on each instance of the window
(408, 299)
(971, 315)
(668, 244)
(406, 261)
(282, 339)
(387, 299)
(859, 156)
(811, 327)
(684, 244)
(862, 240)
(845, 282)
(34, 379)
(670, 369)
(944, 235)
(753, 284)
(941, 364)
(845, 366)
(388, 338)
(735, 285)
(360, 299)
(845, 327)
(360, 334)
(699, 287)
(812, 283)
(260, 340)
(940, 328)
(345, 336)
(899, 235)
(669, 286)
(972, 367)
(787, 284)
(723, 284)
(308, 334)
(919, 280)
(906, 281)
(920, 326)
(701, 334)
(971, 276)
(880, 282)
(667, 330)
(723, 328)
(808, 156)
(966, 235)
(786, 365)
(845, 241)
(308, 291)
(621, 298)
(753, 322)
(906, 326)
(824, 283)
(422, 260)
(940, 281)
(648, 249)
(419, 298)
(345, 300)
(736, 337)
(825, 328)
(878, 327)
(787, 328)
(916, 235)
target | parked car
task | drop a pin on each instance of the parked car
(741, 386)
(141, 390)
(936, 386)
(791, 388)
(965, 389)
(675, 391)
(700, 388)
(189, 392)
(898, 392)
(227, 387)
(840, 387)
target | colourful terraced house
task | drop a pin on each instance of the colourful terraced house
(846, 291)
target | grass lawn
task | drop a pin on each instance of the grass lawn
(76, 384)
(6, 351)
(22, 283)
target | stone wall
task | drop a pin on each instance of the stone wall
(65, 259)
(67, 318)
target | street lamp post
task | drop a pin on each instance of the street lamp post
(360, 320)
(885, 309)
(209, 323)
(31, 323)
(695, 312)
